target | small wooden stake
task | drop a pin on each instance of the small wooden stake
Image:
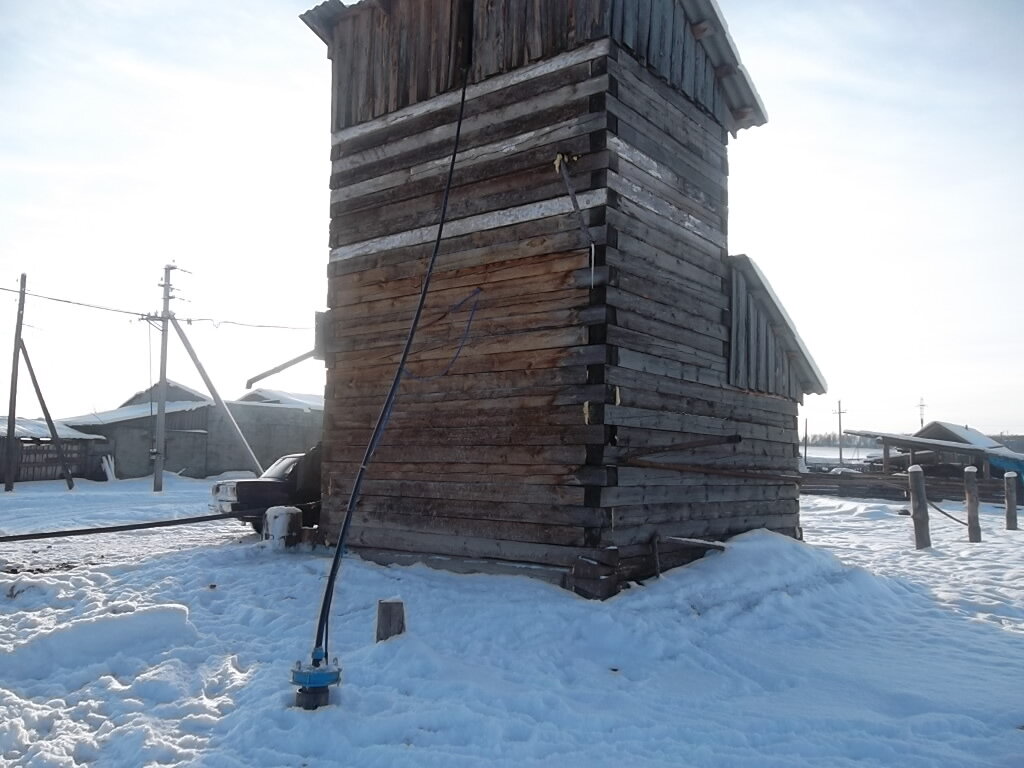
(919, 507)
(1010, 487)
(971, 494)
(390, 619)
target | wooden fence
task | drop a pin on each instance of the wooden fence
(864, 485)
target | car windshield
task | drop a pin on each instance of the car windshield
(279, 469)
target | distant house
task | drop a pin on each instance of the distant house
(200, 441)
(37, 457)
(942, 442)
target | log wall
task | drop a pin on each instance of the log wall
(550, 405)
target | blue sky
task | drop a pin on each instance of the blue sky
(882, 199)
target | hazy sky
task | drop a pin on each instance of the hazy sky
(882, 199)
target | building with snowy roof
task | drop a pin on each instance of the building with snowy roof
(36, 454)
(200, 441)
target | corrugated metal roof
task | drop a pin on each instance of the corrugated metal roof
(130, 412)
(36, 429)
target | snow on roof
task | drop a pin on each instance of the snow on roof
(275, 396)
(174, 391)
(37, 429)
(130, 412)
(959, 433)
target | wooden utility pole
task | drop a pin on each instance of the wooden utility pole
(160, 438)
(921, 406)
(12, 419)
(839, 411)
(49, 422)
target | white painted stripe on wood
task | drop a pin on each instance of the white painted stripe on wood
(483, 221)
(589, 52)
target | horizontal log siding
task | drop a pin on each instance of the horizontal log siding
(485, 461)
(526, 450)
(670, 330)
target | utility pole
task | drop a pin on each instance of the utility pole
(160, 437)
(921, 407)
(54, 437)
(12, 440)
(839, 411)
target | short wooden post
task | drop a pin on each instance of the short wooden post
(971, 496)
(390, 619)
(919, 507)
(1010, 488)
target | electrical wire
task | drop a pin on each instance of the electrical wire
(323, 623)
(147, 315)
(78, 303)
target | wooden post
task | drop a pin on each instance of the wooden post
(12, 417)
(1010, 488)
(919, 507)
(390, 619)
(886, 458)
(971, 495)
(49, 422)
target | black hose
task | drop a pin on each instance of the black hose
(126, 527)
(322, 627)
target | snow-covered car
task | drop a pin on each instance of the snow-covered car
(293, 480)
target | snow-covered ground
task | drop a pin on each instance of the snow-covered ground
(173, 647)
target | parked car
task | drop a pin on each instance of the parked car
(293, 480)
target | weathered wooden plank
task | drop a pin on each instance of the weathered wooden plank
(468, 547)
(627, 517)
(556, 515)
(625, 339)
(636, 222)
(690, 423)
(739, 339)
(518, 186)
(491, 220)
(766, 406)
(672, 334)
(703, 181)
(495, 244)
(479, 491)
(473, 164)
(636, 397)
(501, 530)
(676, 314)
(646, 493)
(661, 366)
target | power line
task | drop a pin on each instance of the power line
(78, 303)
(146, 315)
(218, 323)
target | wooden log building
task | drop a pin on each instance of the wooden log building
(610, 392)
